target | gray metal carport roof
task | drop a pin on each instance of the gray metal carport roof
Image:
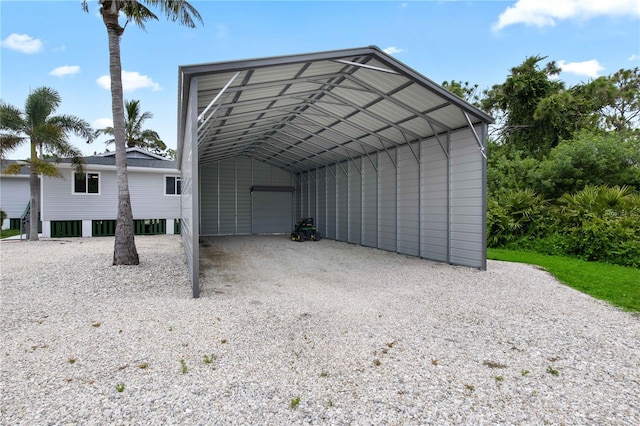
(300, 112)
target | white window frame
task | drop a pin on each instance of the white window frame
(175, 186)
(87, 173)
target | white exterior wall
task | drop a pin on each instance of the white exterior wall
(147, 190)
(14, 196)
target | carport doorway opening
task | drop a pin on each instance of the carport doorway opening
(376, 153)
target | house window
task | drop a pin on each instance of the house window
(86, 183)
(173, 185)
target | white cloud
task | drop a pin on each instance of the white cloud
(633, 57)
(22, 43)
(65, 70)
(543, 13)
(102, 123)
(393, 50)
(131, 80)
(590, 68)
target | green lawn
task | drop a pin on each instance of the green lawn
(618, 285)
(4, 233)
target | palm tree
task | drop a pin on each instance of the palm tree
(136, 136)
(135, 11)
(47, 134)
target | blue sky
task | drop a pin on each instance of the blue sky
(56, 44)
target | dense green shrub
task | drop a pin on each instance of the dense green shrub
(601, 223)
(513, 215)
(598, 223)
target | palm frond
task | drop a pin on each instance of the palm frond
(137, 13)
(9, 143)
(178, 11)
(40, 104)
(11, 118)
(46, 168)
(13, 169)
(78, 126)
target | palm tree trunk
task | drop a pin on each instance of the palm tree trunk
(124, 252)
(34, 188)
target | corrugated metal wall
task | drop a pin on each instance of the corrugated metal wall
(225, 193)
(189, 194)
(425, 199)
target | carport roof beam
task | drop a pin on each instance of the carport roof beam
(213, 101)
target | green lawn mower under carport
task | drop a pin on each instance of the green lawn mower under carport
(305, 230)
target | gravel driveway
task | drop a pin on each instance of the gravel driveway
(302, 333)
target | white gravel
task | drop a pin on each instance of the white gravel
(302, 333)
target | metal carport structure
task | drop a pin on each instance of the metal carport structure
(380, 155)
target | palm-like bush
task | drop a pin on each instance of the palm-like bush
(602, 223)
(513, 215)
(596, 201)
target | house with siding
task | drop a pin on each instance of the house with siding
(86, 205)
(14, 195)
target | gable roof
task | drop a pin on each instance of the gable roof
(300, 112)
(131, 162)
(135, 152)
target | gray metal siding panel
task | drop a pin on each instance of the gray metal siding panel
(304, 195)
(225, 201)
(209, 199)
(261, 173)
(312, 195)
(14, 195)
(331, 202)
(467, 203)
(321, 191)
(227, 184)
(297, 207)
(434, 216)
(271, 212)
(355, 201)
(190, 197)
(408, 201)
(244, 181)
(369, 202)
(342, 212)
(280, 177)
(387, 201)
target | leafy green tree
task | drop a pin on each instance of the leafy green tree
(509, 169)
(518, 98)
(467, 91)
(623, 112)
(589, 158)
(47, 134)
(137, 12)
(135, 134)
